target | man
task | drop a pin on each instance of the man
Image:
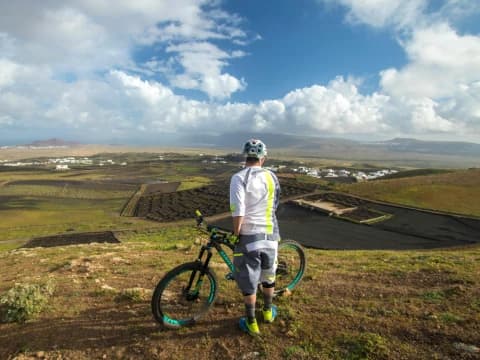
(254, 197)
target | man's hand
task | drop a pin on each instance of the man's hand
(237, 224)
(233, 239)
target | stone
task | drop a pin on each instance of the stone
(467, 348)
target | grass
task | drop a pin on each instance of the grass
(26, 217)
(38, 210)
(194, 182)
(59, 192)
(456, 192)
(350, 305)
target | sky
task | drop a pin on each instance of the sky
(151, 71)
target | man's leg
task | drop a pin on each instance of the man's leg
(250, 301)
(247, 266)
(267, 296)
(269, 268)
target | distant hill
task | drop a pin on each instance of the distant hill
(432, 147)
(53, 142)
(329, 146)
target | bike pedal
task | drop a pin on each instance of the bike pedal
(229, 276)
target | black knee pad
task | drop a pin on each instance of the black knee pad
(267, 285)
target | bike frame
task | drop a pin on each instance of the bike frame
(204, 257)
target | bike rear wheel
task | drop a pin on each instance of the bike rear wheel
(184, 295)
(291, 267)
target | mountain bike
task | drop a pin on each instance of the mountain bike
(187, 292)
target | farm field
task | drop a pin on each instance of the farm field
(456, 192)
(41, 202)
(211, 200)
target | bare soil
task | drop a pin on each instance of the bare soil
(361, 213)
(95, 185)
(166, 187)
(72, 239)
(210, 200)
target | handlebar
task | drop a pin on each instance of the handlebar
(210, 229)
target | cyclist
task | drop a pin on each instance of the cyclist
(254, 197)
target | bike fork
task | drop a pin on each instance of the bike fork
(193, 294)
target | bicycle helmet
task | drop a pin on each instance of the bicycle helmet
(255, 148)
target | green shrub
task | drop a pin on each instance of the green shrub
(133, 295)
(362, 346)
(24, 301)
(304, 350)
(449, 318)
(434, 296)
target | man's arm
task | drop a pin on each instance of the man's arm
(237, 224)
(237, 203)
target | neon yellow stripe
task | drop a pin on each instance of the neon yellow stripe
(237, 254)
(271, 192)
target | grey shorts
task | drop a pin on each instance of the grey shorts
(255, 260)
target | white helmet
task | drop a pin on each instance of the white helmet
(255, 148)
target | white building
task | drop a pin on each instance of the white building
(62, 167)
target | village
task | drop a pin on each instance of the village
(330, 174)
(344, 173)
(61, 164)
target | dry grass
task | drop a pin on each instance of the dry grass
(351, 305)
(456, 192)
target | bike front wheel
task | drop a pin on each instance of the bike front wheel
(184, 295)
(291, 266)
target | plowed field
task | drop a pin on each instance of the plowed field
(73, 239)
(93, 185)
(211, 200)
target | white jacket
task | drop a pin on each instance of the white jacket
(255, 194)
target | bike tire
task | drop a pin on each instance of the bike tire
(291, 266)
(171, 306)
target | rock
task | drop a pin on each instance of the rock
(120, 354)
(251, 355)
(290, 334)
(108, 288)
(219, 301)
(467, 348)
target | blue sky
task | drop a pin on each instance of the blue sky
(156, 69)
(308, 44)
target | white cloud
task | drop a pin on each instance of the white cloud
(380, 13)
(86, 36)
(441, 77)
(203, 63)
(337, 108)
(437, 91)
(434, 92)
(7, 72)
(425, 118)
